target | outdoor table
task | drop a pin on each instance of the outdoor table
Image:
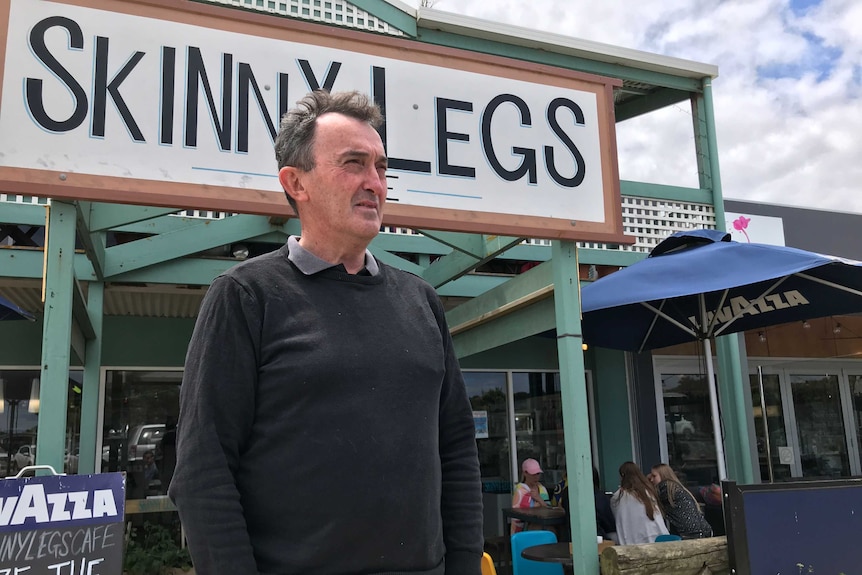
(543, 516)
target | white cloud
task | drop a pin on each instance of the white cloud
(787, 99)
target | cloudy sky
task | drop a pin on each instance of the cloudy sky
(788, 103)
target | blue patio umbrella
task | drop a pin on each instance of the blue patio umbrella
(9, 310)
(698, 284)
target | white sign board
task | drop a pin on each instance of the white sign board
(747, 228)
(172, 107)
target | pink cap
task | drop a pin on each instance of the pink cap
(531, 466)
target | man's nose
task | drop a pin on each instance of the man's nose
(375, 182)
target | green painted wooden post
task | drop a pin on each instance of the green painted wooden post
(90, 459)
(576, 428)
(738, 420)
(56, 335)
(732, 376)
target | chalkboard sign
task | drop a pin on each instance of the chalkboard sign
(62, 525)
(801, 527)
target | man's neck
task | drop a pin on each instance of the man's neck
(351, 257)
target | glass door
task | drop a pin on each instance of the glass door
(855, 385)
(781, 464)
(820, 426)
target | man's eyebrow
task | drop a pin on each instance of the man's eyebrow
(362, 154)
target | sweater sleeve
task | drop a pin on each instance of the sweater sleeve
(461, 505)
(216, 415)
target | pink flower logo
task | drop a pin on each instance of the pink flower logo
(740, 224)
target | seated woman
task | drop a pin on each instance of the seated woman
(678, 504)
(636, 509)
(529, 493)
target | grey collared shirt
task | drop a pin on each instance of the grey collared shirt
(310, 264)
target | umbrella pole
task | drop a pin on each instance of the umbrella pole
(713, 404)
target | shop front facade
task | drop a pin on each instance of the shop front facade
(116, 284)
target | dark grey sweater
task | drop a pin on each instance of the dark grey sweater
(325, 428)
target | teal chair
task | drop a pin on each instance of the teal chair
(663, 538)
(521, 566)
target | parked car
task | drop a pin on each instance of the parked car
(680, 426)
(143, 438)
(26, 455)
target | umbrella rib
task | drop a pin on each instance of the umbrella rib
(750, 305)
(660, 313)
(830, 284)
(714, 319)
(651, 326)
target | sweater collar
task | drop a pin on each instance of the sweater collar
(310, 264)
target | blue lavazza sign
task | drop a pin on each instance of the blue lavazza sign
(62, 525)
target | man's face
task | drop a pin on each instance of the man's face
(341, 199)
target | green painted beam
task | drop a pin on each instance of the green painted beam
(27, 263)
(409, 243)
(389, 14)
(183, 271)
(109, 216)
(94, 242)
(78, 342)
(90, 394)
(193, 239)
(456, 264)
(470, 244)
(526, 54)
(79, 312)
(23, 214)
(471, 285)
(523, 288)
(516, 325)
(662, 192)
(573, 391)
(395, 261)
(56, 335)
(619, 258)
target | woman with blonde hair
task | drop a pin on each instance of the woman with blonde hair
(636, 509)
(678, 504)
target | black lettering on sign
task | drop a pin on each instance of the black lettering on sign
(444, 136)
(528, 155)
(581, 168)
(196, 77)
(101, 89)
(33, 86)
(311, 79)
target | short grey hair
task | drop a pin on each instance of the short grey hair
(294, 144)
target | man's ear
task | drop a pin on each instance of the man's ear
(291, 181)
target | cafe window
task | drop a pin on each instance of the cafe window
(138, 430)
(688, 432)
(487, 393)
(20, 391)
(539, 422)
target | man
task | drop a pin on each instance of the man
(324, 423)
(151, 472)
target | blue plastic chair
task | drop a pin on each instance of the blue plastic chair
(663, 538)
(521, 566)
